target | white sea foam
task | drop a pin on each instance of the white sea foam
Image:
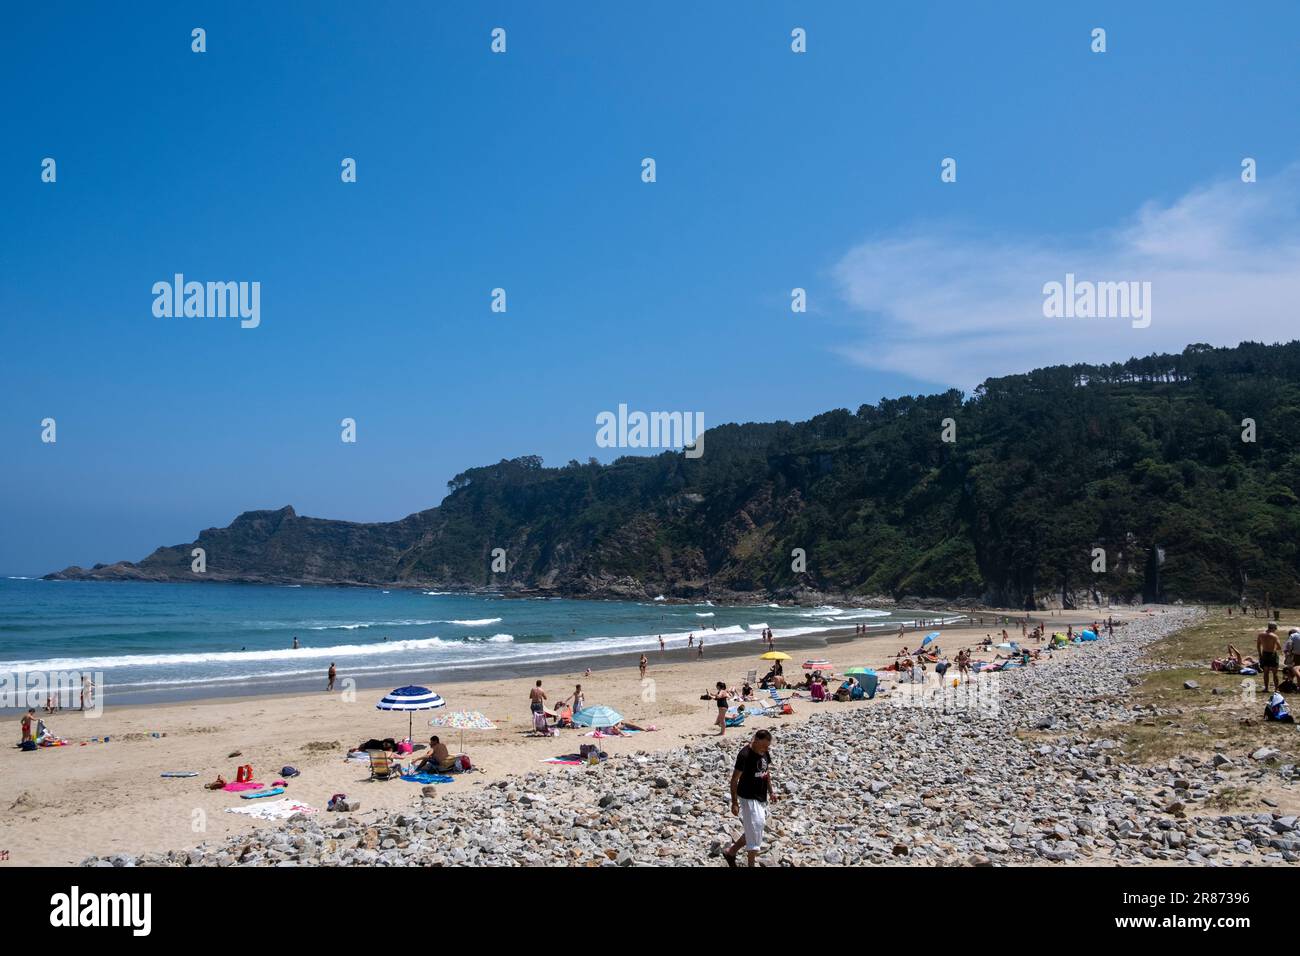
(479, 622)
(324, 626)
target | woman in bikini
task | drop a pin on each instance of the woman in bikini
(723, 698)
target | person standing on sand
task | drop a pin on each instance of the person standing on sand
(333, 673)
(27, 724)
(578, 700)
(642, 666)
(690, 641)
(700, 655)
(661, 644)
(537, 699)
(87, 691)
(723, 698)
(751, 789)
(1269, 646)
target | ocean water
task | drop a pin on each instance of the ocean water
(172, 641)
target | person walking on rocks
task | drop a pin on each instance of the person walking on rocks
(751, 790)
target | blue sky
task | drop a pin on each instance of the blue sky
(522, 171)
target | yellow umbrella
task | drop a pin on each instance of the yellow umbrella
(774, 656)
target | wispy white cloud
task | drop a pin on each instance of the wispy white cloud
(954, 306)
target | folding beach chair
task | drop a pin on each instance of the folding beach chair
(382, 766)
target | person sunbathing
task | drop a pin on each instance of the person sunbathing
(618, 730)
(439, 759)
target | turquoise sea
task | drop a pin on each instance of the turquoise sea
(171, 641)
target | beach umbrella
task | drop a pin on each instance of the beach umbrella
(463, 720)
(817, 665)
(597, 716)
(410, 698)
(859, 672)
(929, 637)
(774, 656)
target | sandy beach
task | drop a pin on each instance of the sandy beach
(63, 804)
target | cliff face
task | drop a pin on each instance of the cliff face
(1007, 497)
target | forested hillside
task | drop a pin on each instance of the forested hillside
(1138, 459)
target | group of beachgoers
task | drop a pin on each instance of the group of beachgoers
(436, 758)
(1273, 656)
(548, 720)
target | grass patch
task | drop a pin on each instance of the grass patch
(1193, 721)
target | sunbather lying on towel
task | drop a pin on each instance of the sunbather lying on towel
(388, 743)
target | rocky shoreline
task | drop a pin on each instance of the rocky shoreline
(1021, 773)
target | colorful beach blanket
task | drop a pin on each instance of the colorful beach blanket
(428, 778)
(239, 787)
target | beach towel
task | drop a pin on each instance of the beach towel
(428, 778)
(574, 760)
(274, 810)
(273, 792)
(179, 773)
(248, 785)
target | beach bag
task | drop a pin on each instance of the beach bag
(1276, 710)
(244, 774)
(27, 745)
(463, 764)
(787, 709)
(288, 772)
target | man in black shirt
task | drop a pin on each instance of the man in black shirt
(751, 789)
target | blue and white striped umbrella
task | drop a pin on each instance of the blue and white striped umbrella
(411, 698)
(597, 716)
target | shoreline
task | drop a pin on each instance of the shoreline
(109, 797)
(565, 656)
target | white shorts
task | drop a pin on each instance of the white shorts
(753, 814)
